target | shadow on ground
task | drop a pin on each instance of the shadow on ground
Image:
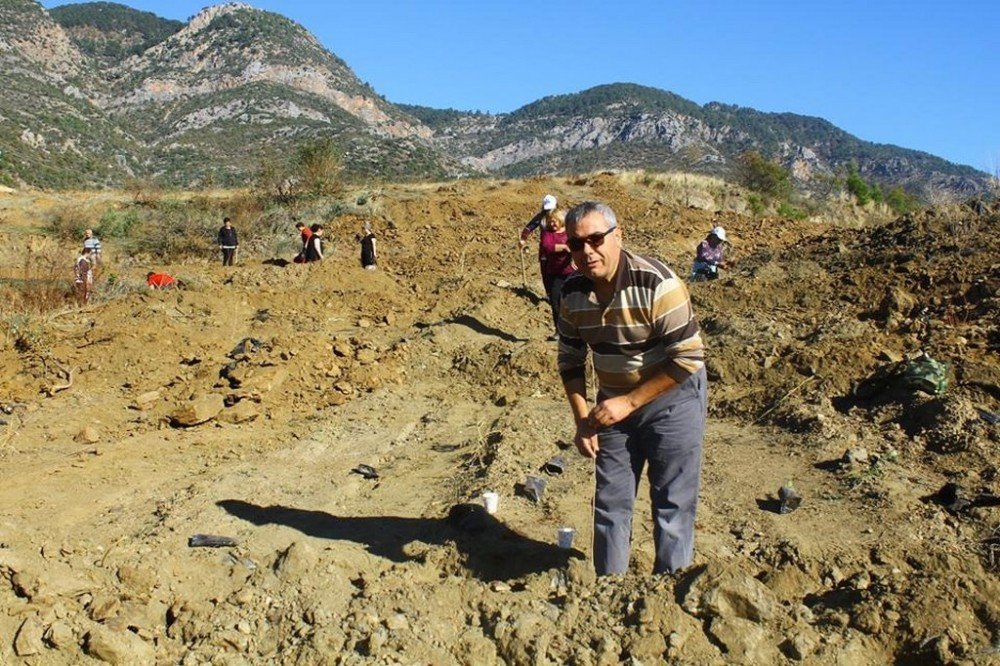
(490, 550)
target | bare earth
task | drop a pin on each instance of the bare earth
(435, 370)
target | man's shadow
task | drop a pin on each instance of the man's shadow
(528, 294)
(476, 325)
(491, 550)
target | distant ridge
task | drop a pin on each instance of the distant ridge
(210, 100)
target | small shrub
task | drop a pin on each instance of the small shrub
(68, 223)
(319, 166)
(144, 191)
(900, 202)
(764, 176)
(785, 209)
(117, 224)
(756, 204)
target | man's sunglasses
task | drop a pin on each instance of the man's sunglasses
(593, 240)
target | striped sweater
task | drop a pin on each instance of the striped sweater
(647, 328)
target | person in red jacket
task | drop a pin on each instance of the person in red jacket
(556, 261)
(160, 280)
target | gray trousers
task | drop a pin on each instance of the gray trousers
(667, 434)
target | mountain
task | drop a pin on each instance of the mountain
(630, 126)
(235, 88)
(237, 84)
(109, 33)
(53, 133)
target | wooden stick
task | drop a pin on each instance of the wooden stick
(779, 400)
(524, 280)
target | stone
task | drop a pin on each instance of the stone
(474, 648)
(201, 409)
(241, 412)
(139, 579)
(580, 573)
(28, 640)
(789, 583)
(297, 561)
(719, 591)
(60, 635)
(366, 356)
(397, 622)
(104, 607)
(897, 302)
(744, 641)
(856, 456)
(264, 381)
(145, 401)
(118, 647)
(89, 435)
(799, 646)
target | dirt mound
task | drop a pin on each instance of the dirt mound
(240, 406)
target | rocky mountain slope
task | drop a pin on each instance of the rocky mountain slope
(629, 126)
(52, 129)
(109, 32)
(210, 100)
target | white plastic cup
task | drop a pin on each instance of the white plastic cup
(491, 501)
(565, 536)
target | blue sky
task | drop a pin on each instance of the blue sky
(920, 74)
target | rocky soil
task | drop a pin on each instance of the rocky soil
(239, 406)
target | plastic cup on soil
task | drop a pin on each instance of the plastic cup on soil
(565, 537)
(491, 501)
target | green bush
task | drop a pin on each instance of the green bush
(117, 224)
(756, 204)
(861, 191)
(786, 209)
(899, 201)
(318, 166)
(69, 222)
(764, 176)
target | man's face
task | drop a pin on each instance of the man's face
(88, 233)
(598, 259)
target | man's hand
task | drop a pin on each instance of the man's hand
(586, 440)
(610, 412)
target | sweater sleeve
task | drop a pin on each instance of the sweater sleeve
(675, 325)
(532, 224)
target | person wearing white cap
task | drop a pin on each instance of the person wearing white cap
(709, 257)
(549, 209)
(549, 218)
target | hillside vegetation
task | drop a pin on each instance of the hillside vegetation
(195, 104)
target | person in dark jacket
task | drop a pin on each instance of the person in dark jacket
(369, 255)
(228, 242)
(314, 249)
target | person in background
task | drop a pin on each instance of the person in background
(709, 257)
(160, 280)
(94, 243)
(634, 315)
(369, 254)
(304, 233)
(314, 248)
(228, 242)
(540, 219)
(558, 263)
(83, 275)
